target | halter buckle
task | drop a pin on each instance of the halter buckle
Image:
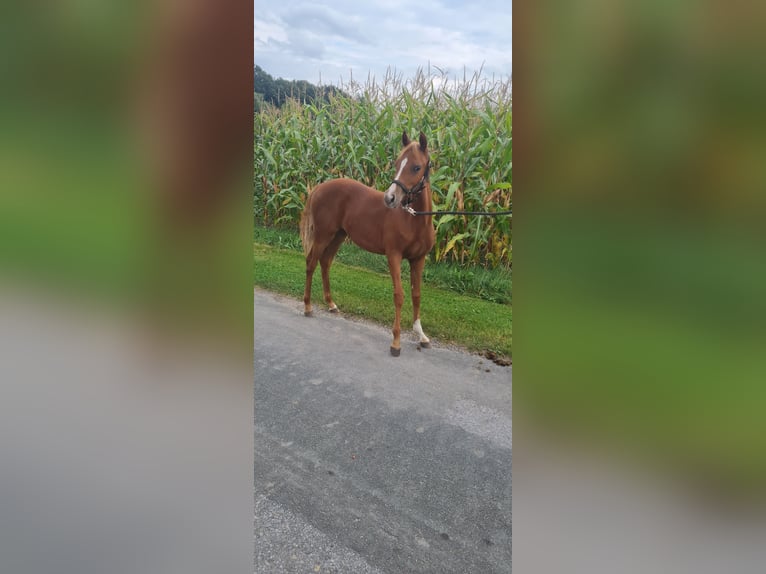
(408, 209)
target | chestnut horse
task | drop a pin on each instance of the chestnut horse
(377, 222)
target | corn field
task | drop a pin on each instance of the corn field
(468, 126)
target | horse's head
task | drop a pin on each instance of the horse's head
(412, 170)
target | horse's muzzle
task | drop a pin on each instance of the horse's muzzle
(389, 198)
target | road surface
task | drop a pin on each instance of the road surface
(368, 463)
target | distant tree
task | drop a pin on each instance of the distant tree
(264, 84)
(276, 92)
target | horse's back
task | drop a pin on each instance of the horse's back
(336, 197)
(342, 188)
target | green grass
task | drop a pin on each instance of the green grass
(446, 316)
(493, 285)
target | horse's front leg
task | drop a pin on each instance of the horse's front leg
(395, 266)
(416, 277)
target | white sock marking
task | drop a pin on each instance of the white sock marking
(419, 330)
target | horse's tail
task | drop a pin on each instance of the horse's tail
(307, 226)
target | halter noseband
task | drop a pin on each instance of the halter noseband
(409, 194)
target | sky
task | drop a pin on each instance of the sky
(325, 41)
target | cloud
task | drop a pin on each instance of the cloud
(305, 45)
(297, 40)
(264, 31)
(318, 20)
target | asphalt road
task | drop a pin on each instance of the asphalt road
(368, 463)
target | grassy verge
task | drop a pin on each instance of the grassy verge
(447, 317)
(493, 285)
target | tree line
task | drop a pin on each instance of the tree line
(277, 91)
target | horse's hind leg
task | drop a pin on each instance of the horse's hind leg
(326, 261)
(321, 241)
(311, 264)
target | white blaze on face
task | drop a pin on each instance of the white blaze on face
(390, 192)
(419, 330)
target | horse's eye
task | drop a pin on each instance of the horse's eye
(417, 168)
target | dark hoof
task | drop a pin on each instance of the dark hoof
(426, 345)
(334, 310)
(308, 313)
(395, 352)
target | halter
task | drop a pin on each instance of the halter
(409, 194)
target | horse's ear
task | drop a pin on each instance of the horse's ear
(405, 139)
(423, 142)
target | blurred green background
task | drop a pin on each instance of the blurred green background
(87, 164)
(69, 214)
(640, 270)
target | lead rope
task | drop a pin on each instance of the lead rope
(411, 211)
